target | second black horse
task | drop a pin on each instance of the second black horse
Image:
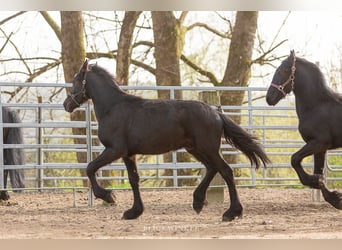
(319, 111)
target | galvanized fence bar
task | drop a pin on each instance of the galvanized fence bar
(255, 115)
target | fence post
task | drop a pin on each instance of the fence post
(215, 191)
(1, 146)
(40, 142)
(89, 149)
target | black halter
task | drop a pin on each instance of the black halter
(81, 92)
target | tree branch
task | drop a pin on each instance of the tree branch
(207, 27)
(7, 40)
(201, 71)
(182, 17)
(11, 17)
(261, 59)
(54, 26)
(43, 69)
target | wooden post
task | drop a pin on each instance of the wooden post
(215, 191)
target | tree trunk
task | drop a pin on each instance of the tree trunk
(167, 52)
(123, 62)
(238, 68)
(123, 59)
(73, 55)
(168, 42)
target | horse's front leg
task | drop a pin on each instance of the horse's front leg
(332, 197)
(133, 176)
(316, 180)
(106, 157)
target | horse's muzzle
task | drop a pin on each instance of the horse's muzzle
(69, 105)
(270, 101)
(273, 96)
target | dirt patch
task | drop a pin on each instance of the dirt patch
(268, 213)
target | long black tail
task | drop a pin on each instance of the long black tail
(245, 142)
(14, 156)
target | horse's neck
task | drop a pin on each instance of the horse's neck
(304, 101)
(104, 97)
(308, 88)
(310, 93)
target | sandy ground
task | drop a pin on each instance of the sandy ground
(268, 213)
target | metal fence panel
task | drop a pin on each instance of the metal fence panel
(48, 140)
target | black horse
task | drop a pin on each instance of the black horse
(12, 156)
(319, 110)
(130, 125)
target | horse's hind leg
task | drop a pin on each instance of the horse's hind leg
(201, 190)
(235, 209)
(199, 195)
(106, 157)
(214, 164)
(133, 176)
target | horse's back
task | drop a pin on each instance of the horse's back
(158, 126)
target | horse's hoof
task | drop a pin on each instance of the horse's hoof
(110, 198)
(198, 206)
(336, 199)
(4, 196)
(232, 214)
(131, 214)
(231, 217)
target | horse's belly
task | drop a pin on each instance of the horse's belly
(157, 144)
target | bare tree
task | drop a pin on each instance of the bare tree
(73, 55)
(125, 46)
(168, 46)
(239, 63)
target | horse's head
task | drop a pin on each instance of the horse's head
(78, 92)
(283, 80)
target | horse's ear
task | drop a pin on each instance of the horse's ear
(85, 65)
(292, 53)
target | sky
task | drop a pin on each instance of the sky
(315, 34)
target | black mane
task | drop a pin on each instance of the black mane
(325, 91)
(105, 74)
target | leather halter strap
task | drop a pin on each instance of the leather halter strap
(81, 92)
(291, 78)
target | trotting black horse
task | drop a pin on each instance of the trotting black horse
(130, 125)
(12, 156)
(319, 110)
